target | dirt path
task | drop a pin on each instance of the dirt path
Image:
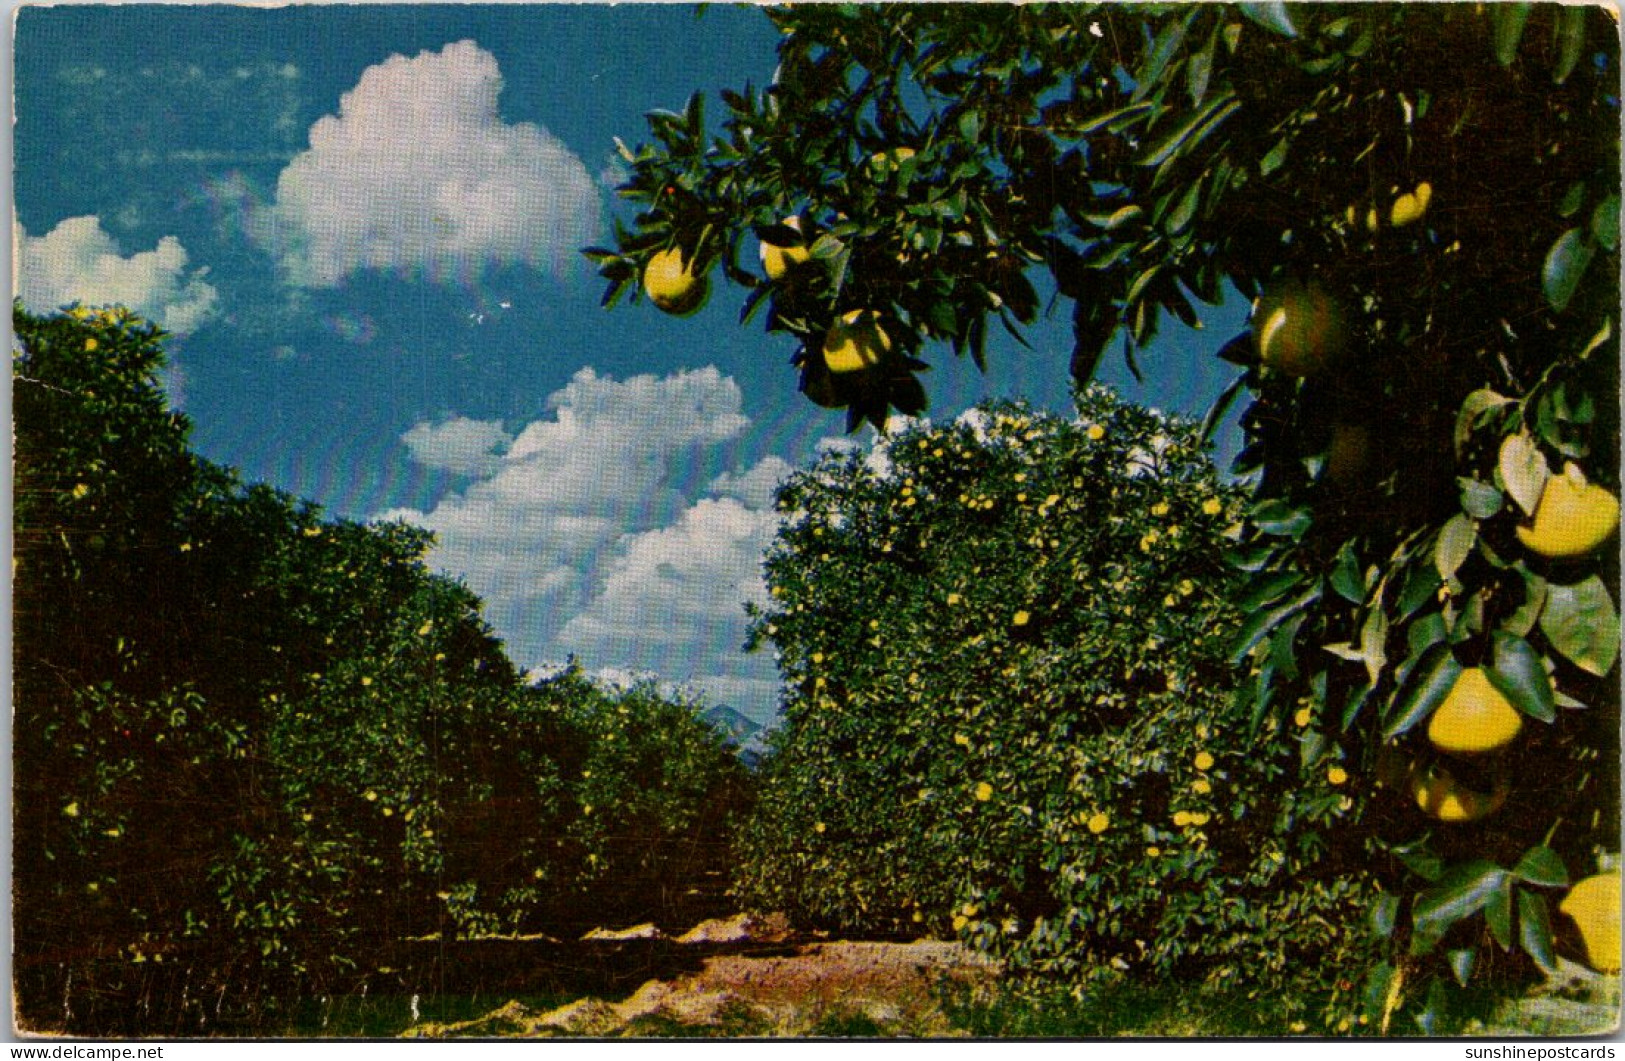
(833, 988)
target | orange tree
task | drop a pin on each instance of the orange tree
(1422, 199)
(1008, 714)
(254, 749)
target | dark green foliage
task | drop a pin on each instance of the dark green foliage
(1447, 174)
(255, 750)
(1010, 714)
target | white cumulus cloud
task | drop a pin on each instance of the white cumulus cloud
(756, 486)
(591, 532)
(419, 174)
(78, 261)
(459, 445)
(677, 587)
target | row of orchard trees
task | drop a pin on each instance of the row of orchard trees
(1009, 713)
(1423, 201)
(255, 749)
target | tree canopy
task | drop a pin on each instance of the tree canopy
(256, 749)
(1421, 199)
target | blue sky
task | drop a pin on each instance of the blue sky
(362, 224)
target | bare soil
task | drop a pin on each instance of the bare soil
(775, 986)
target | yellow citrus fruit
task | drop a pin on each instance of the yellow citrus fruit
(1571, 519)
(1299, 328)
(1411, 206)
(855, 342)
(777, 260)
(1593, 904)
(672, 286)
(1441, 796)
(1474, 717)
(984, 792)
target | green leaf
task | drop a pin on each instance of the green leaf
(1422, 635)
(1535, 929)
(1191, 131)
(1565, 265)
(1122, 114)
(1581, 623)
(970, 125)
(1373, 641)
(1461, 892)
(1421, 586)
(1517, 671)
(1264, 692)
(1506, 23)
(1523, 470)
(1384, 915)
(1199, 71)
(1149, 77)
(1541, 865)
(1572, 200)
(1357, 697)
(1456, 540)
(1428, 683)
(1144, 280)
(1273, 16)
(1276, 157)
(1421, 860)
(1535, 594)
(1472, 407)
(1281, 520)
(1605, 221)
(1266, 587)
(1571, 36)
(1221, 406)
(1346, 578)
(1479, 499)
(1180, 218)
(1261, 622)
(1433, 1009)
(1461, 964)
(1282, 644)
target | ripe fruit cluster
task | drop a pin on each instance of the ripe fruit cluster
(1004, 650)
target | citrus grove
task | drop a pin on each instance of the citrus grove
(257, 750)
(1421, 202)
(1009, 715)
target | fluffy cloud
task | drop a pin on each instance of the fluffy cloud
(79, 262)
(468, 447)
(417, 173)
(591, 533)
(756, 486)
(675, 587)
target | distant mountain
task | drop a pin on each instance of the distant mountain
(731, 722)
(746, 735)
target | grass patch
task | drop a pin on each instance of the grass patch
(1575, 1003)
(737, 1020)
(386, 1016)
(847, 1025)
(1116, 1011)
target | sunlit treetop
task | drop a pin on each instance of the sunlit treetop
(1424, 161)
